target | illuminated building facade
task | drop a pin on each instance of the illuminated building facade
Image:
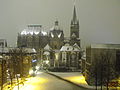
(70, 57)
(56, 36)
(32, 37)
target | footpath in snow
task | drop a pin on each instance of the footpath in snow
(76, 78)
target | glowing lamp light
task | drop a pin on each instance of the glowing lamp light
(56, 56)
(31, 72)
(34, 60)
(77, 79)
(37, 67)
(47, 62)
(32, 84)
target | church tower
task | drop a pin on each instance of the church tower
(74, 28)
(56, 37)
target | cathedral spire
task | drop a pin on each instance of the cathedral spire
(74, 15)
(74, 29)
(56, 23)
(74, 20)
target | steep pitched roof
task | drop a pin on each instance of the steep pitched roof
(73, 35)
(47, 47)
(67, 47)
(74, 14)
(74, 19)
(76, 45)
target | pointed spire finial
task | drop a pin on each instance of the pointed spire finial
(74, 2)
(74, 13)
(56, 23)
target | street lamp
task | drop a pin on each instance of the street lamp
(47, 62)
(1, 66)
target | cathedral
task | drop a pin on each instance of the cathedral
(35, 37)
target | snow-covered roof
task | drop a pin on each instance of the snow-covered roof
(46, 53)
(76, 46)
(76, 49)
(73, 35)
(31, 32)
(59, 35)
(106, 46)
(47, 47)
(54, 34)
(30, 50)
(6, 50)
(33, 29)
(67, 47)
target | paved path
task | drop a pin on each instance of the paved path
(78, 79)
(44, 81)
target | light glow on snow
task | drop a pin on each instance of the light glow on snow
(77, 79)
(31, 83)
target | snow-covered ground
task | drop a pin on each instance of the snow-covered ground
(76, 78)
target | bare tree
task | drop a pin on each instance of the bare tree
(103, 68)
(16, 61)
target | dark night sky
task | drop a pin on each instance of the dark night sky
(99, 19)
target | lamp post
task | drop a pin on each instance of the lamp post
(18, 75)
(2, 66)
(1, 62)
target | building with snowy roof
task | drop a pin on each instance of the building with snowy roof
(48, 57)
(6, 50)
(32, 37)
(70, 56)
(53, 41)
